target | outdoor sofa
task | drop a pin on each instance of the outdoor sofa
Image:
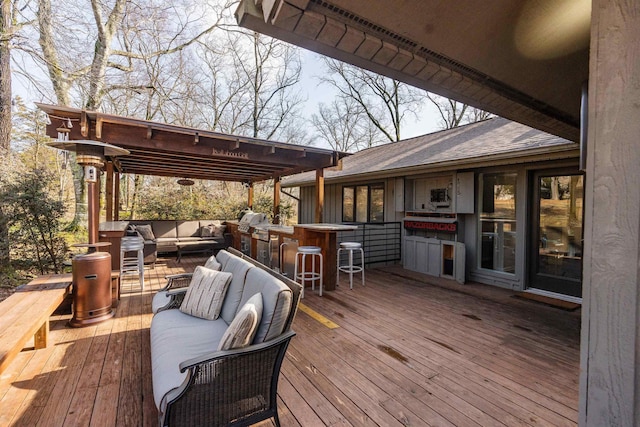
(162, 236)
(194, 382)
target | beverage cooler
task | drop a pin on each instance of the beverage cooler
(431, 246)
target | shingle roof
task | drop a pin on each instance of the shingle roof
(481, 140)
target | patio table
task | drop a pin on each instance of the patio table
(195, 248)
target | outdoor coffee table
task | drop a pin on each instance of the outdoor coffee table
(194, 248)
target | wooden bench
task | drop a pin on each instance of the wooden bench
(26, 313)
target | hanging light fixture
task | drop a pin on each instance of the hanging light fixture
(185, 181)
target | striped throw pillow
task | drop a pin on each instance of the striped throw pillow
(205, 294)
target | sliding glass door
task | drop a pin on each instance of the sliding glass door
(556, 234)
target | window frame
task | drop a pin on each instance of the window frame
(354, 190)
(482, 216)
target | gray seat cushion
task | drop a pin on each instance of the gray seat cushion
(222, 257)
(172, 342)
(160, 299)
(238, 268)
(276, 302)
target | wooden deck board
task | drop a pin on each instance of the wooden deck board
(409, 350)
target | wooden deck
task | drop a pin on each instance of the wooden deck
(405, 352)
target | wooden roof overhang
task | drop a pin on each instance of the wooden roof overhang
(167, 150)
(525, 60)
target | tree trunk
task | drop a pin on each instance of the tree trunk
(555, 188)
(58, 80)
(137, 183)
(80, 218)
(5, 111)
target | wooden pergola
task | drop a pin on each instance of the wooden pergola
(167, 150)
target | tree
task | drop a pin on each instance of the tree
(385, 102)
(6, 35)
(454, 113)
(269, 71)
(343, 125)
(115, 38)
(6, 30)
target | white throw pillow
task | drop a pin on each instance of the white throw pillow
(205, 294)
(244, 326)
(213, 264)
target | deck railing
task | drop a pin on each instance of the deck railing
(381, 241)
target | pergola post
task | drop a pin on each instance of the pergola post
(116, 196)
(250, 196)
(109, 191)
(319, 195)
(276, 200)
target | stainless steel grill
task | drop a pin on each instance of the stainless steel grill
(260, 233)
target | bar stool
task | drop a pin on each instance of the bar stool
(300, 269)
(132, 264)
(350, 268)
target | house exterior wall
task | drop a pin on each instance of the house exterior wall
(397, 206)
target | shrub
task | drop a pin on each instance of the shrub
(34, 220)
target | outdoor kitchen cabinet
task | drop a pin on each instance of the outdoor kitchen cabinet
(435, 257)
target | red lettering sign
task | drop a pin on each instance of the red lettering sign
(450, 227)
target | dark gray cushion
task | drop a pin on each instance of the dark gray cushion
(165, 229)
(145, 231)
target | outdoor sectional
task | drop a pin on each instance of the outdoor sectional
(196, 384)
(167, 233)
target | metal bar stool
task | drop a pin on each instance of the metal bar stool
(350, 268)
(300, 269)
(132, 264)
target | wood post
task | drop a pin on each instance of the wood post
(109, 191)
(116, 196)
(610, 342)
(276, 200)
(319, 196)
(250, 196)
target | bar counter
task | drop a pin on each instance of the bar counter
(323, 235)
(112, 232)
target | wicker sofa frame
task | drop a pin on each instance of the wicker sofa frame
(235, 387)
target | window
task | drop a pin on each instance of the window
(498, 222)
(363, 203)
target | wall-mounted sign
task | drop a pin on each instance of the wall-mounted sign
(226, 153)
(450, 227)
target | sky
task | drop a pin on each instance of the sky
(427, 121)
(310, 88)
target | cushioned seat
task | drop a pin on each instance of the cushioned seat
(254, 297)
(189, 239)
(178, 329)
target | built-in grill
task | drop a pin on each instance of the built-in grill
(247, 222)
(261, 233)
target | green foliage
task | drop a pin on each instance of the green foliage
(162, 198)
(34, 220)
